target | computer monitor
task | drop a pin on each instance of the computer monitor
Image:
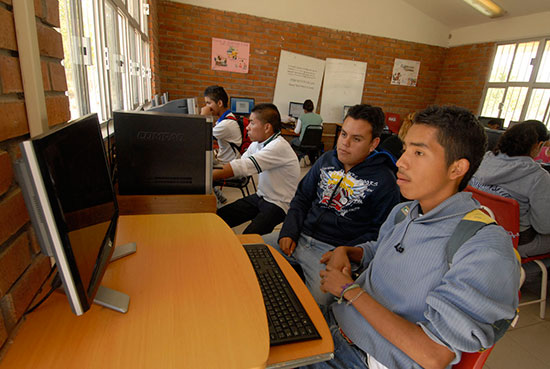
(161, 153)
(295, 109)
(241, 105)
(178, 106)
(68, 191)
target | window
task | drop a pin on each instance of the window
(106, 59)
(519, 84)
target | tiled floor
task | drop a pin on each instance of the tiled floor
(527, 346)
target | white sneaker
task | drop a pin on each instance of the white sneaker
(302, 163)
(306, 159)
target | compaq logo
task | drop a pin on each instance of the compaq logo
(160, 136)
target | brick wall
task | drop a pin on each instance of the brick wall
(185, 40)
(22, 267)
(464, 74)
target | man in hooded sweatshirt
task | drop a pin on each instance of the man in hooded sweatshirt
(343, 199)
(510, 171)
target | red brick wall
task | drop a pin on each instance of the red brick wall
(22, 267)
(185, 40)
(464, 74)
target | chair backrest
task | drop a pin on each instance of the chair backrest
(393, 121)
(506, 211)
(473, 360)
(312, 136)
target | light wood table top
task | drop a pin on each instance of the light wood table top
(194, 303)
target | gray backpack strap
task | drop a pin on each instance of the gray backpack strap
(466, 228)
(401, 214)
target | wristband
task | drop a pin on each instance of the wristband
(355, 297)
(346, 289)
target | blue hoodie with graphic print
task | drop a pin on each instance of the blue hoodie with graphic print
(342, 208)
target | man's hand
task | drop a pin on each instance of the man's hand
(205, 110)
(288, 245)
(337, 258)
(333, 279)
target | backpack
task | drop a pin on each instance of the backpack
(466, 228)
(245, 140)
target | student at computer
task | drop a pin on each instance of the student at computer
(226, 130)
(342, 200)
(272, 158)
(510, 171)
(309, 118)
(410, 307)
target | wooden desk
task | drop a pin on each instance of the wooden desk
(289, 133)
(194, 303)
(287, 356)
(166, 204)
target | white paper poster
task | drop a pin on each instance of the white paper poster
(342, 86)
(405, 72)
(299, 78)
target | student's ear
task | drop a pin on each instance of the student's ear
(374, 144)
(220, 103)
(459, 168)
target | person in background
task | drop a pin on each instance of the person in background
(495, 123)
(309, 118)
(271, 157)
(410, 307)
(226, 129)
(342, 200)
(394, 144)
(510, 171)
(544, 154)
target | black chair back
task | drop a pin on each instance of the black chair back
(312, 137)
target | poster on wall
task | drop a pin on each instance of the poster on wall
(230, 56)
(299, 78)
(405, 72)
(342, 87)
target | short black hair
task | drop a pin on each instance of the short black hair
(519, 139)
(217, 93)
(494, 121)
(268, 113)
(372, 114)
(308, 106)
(460, 134)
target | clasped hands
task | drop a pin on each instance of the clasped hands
(337, 272)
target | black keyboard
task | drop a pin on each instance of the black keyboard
(287, 318)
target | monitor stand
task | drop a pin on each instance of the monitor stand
(110, 298)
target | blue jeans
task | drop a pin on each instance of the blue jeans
(346, 355)
(307, 254)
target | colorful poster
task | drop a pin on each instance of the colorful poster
(230, 56)
(405, 72)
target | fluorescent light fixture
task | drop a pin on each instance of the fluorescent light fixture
(486, 7)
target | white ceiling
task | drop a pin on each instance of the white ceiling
(456, 13)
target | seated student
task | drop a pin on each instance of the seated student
(343, 199)
(309, 118)
(271, 156)
(394, 144)
(510, 171)
(226, 130)
(495, 123)
(410, 307)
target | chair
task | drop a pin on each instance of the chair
(393, 121)
(237, 182)
(311, 144)
(473, 360)
(506, 212)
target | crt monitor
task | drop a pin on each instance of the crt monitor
(68, 191)
(241, 105)
(295, 109)
(160, 153)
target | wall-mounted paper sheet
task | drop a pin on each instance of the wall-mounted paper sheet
(405, 72)
(299, 78)
(230, 56)
(342, 86)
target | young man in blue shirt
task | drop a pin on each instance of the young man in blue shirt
(410, 308)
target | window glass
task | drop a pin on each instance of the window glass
(522, 66)
(493, 101)
(513, 103)
(113, 55)
(544, 69)
(502, 63)
(538, 104)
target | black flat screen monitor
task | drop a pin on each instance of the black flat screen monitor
(241, 105)
(161, 153)
(295, 109)
(179, 106)
(69, 194)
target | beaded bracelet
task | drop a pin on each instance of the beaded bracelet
(346, 289)
(355, 297)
